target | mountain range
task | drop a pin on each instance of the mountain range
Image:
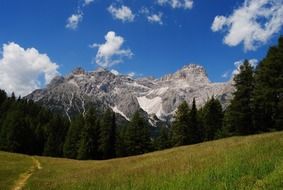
(158, 99)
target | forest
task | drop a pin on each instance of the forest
(256, 107)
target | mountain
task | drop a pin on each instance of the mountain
(157, 98)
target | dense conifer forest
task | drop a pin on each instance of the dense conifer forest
(256, 107)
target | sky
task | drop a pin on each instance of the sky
(40, 39)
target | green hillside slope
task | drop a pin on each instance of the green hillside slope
(252, 162)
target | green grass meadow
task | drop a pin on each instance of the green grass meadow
(251, 162)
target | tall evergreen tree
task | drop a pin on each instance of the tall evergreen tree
(15, 133)
(194, 131)
(121, 141)
(138, 136)
(180, 125)
(268, 95)
(72, 142)
(88, 147)
(212, 118)
(107, 138)
(56, 133)
(240, 111)
(162, 141)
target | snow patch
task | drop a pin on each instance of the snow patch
(151, 106)
(116, 110)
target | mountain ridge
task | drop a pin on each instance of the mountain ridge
(80, 89)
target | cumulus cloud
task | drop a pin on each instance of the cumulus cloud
(218, 23)
(185, 4)
(252, 24)
(87, 2)
(74, 20)
(123, 13)
(155, 18)
(21, 69)
(111, 52)
(253, 63)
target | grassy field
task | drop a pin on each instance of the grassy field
(252, 162)
(11, 167)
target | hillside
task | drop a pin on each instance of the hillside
(251, 162)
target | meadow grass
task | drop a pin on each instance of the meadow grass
(11, 166)
(251, 162)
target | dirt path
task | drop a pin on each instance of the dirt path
(20, 183)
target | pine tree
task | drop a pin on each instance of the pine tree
(121, 141)
(138, 136)
(15, 134)
(56, 132)
(107, 138)
(180, 125)
(163, 140)
(212, 117)
(194, 131)
(72, 142)
(3, 96)
(88, 147)
(268, 94)
(240, 111)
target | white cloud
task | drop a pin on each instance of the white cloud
(74, 20)
(21, 69)
(226, 74)
(252, 24)
(111, 52)
(155, 18)
(115, 72)
(123, 13)
(185, 4)
(131, 74)
(253, 63)
(144, 10)
(218, 23)
(87, 2)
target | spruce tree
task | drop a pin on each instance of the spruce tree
(162, 141)
(268, 94)
(193, 130)
(56, 132)
(212, 118)
(180, 125)
(240, 111)
(72, 142)
(15, 134)
(88, 147)
(121, 141)
(138, 136)
(107, 137)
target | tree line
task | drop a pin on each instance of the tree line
(26, 127)
(257, 106)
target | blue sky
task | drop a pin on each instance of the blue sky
(183, 34)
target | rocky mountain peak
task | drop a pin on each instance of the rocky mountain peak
(101, 69)
(78, 71)
(191, 73)
(56, 81)
(77, 91)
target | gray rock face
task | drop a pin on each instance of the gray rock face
(157, 97)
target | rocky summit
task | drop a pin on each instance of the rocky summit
(158, 98)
